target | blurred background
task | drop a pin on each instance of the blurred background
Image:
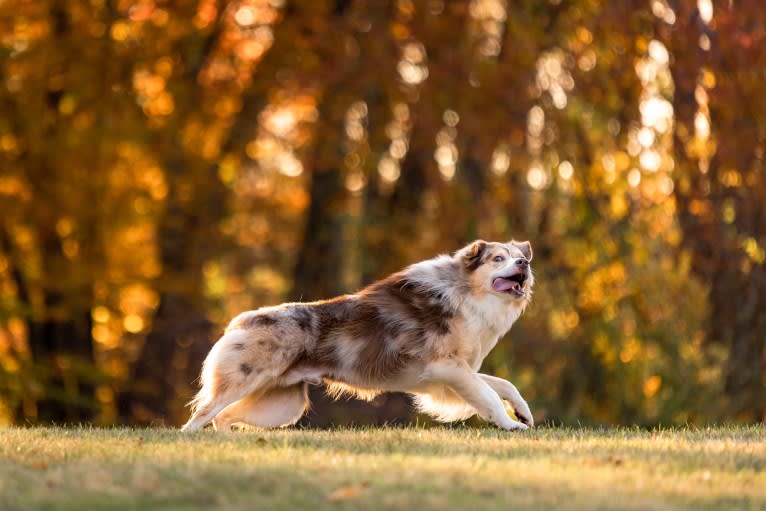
(165, 165)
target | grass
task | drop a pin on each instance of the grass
(388, 468)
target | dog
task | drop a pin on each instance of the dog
(424, 330)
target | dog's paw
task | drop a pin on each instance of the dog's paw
(517, 426)
(524, 416)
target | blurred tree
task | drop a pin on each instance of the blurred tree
(318, 271)
(56, 99)
(166, 165)
(206, 64)
(186, 229)
(719, 181)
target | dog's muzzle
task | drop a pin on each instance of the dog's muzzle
(511, 284)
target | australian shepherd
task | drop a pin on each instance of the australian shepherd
(424, 330)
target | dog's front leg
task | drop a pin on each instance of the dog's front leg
(508, 391)
(474, 390)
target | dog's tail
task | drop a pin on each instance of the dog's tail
(206, 383)
(198, 398)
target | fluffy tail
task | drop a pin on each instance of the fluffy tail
(216, 389)
(204, 394)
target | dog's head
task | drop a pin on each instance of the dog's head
(500, 268)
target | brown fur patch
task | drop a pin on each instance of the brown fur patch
(475, 255)
(379, 356)
(426, 307)
(389, 320)
(264, 320)
(303, 318)
(253, 319)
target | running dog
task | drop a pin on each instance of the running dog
(424, 330)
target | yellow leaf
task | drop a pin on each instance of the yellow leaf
(652, 385)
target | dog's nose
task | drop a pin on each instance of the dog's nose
(522, 262)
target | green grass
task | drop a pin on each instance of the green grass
(388, 468)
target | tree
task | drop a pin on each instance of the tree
(718, 183)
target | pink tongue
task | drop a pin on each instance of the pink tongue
(501, 284)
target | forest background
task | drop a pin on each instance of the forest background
(166, 165)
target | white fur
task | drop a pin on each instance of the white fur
(271, 409)
(472, 388)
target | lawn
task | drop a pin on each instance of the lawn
(385, 468)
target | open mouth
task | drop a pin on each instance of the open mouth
(512, 284)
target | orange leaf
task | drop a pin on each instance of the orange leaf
(350, 492)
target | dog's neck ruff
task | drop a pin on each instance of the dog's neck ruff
(441, 276)
(494, 313)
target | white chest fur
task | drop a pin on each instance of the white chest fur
(486, 320)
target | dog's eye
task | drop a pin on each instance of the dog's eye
(498, 259)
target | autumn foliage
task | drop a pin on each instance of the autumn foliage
(166, 165)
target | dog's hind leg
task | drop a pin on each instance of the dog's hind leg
(242, 362)
(214, 397)
(280, 406)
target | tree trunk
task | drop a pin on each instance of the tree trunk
(318, 268)
(63, 353)
(170, 361)
(737, 280)
(60, 340)
(181, 334)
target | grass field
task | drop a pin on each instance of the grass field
(388, 468)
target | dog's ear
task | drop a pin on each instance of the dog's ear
(524, 246)
(473, 254)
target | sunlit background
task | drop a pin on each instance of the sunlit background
(166, 165)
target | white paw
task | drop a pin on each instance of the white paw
(505, 422)
(516, 426)
(524, 414)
